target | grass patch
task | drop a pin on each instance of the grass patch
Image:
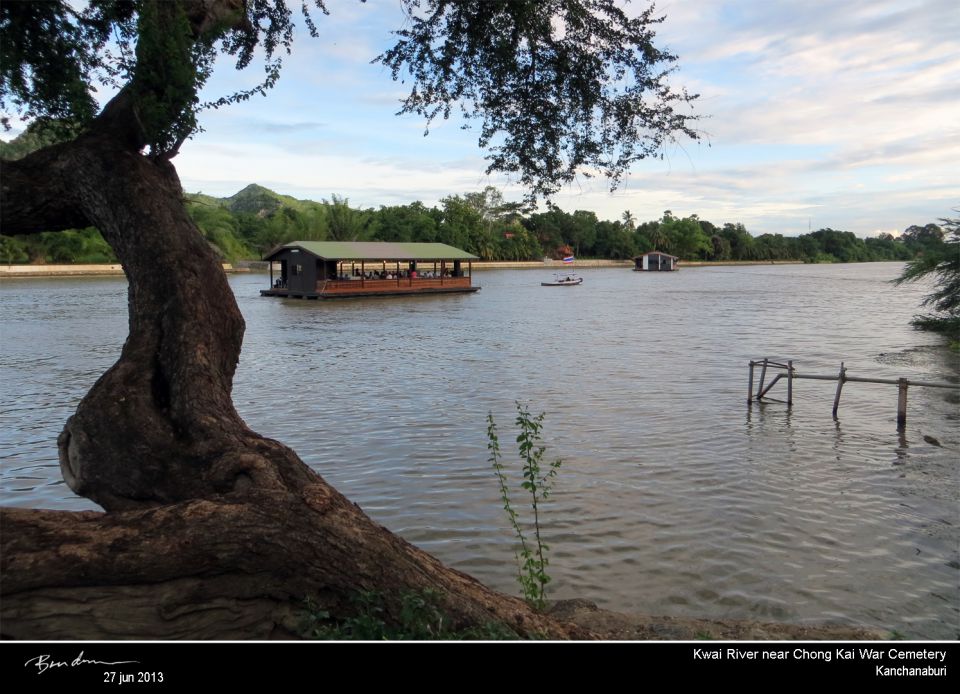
(420, 618)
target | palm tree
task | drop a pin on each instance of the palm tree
(941, 260)
(659, 239)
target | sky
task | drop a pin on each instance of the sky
(841, 114)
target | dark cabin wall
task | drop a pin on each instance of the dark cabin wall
(301, 270)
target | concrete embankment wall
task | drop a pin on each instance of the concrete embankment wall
(712, 263)
(58, 270)
(539, 264)
(10, 271)
(263, 266)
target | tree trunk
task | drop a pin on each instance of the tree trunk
(225, 569)
(160, 426)
(212, 531)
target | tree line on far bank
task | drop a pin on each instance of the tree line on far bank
(256, 219)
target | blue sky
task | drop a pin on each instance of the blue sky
(842, 114)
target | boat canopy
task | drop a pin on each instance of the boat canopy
(375, 250)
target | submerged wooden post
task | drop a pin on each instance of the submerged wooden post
(901, 403)
(841, 377)
(763, 374)
(790, 383)
(902, 384)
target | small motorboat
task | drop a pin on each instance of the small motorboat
(569, 280)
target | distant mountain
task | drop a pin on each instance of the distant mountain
(256, 200)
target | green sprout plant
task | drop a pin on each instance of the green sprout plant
(538, 481)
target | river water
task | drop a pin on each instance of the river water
(675, 497)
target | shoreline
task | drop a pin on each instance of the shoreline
(115, 269)
(611, 625)
(67, 270)
(555, 264)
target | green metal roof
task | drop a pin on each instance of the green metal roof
(376, 250)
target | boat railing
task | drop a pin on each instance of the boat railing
(334, 286)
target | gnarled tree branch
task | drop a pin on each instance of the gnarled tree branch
(223, 569)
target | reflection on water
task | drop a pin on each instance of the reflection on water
(675, 497)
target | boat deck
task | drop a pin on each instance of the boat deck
(344, 289)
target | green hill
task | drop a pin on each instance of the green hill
(262, 202)
(254, 199)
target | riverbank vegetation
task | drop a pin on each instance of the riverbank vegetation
(940, 261)
(248, 224)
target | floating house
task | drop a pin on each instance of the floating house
(342, 269)
(655, 261)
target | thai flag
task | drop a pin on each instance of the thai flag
(568, 259)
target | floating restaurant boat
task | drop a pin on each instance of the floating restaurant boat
(343, 269)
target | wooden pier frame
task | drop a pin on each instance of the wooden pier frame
(841, 378)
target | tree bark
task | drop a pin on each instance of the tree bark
(225, 569)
